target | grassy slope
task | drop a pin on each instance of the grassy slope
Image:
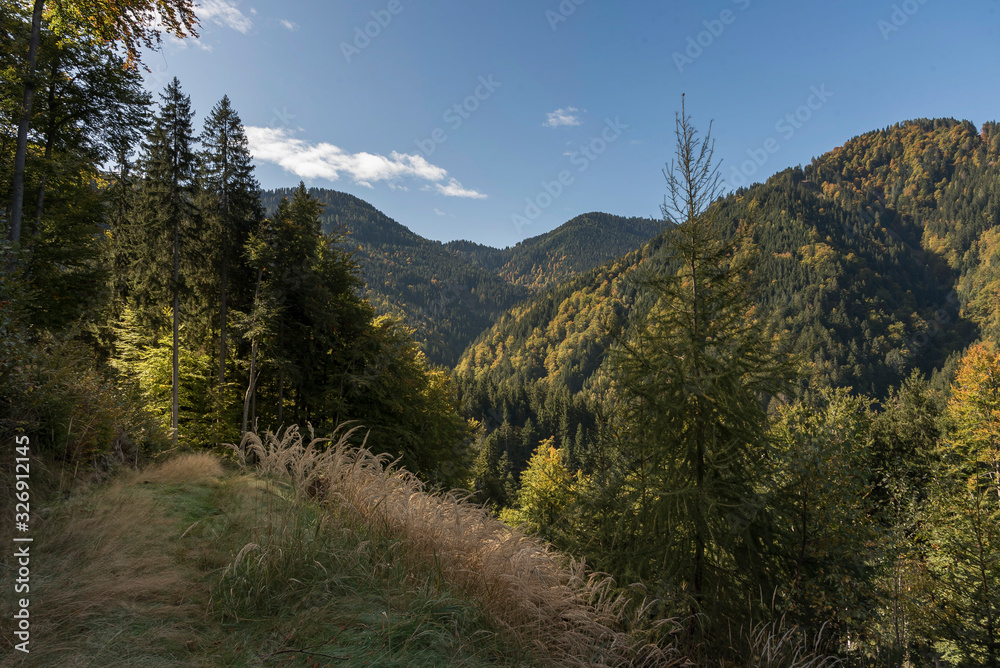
(135, 574)
(324, 557)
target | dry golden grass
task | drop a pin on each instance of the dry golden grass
(194, 468)
(552, 605)
(110, 555)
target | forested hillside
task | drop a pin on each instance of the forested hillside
(871, 273)
(449, 293)
(873, 261)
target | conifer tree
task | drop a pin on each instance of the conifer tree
(316, 318)
(232, 209)
(825, 476)
(693, 371)
(165, 218)
(546, 494)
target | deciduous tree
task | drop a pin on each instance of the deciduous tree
(132, 24)
(694, 370)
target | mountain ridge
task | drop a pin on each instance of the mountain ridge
(872, 262)
(450, 292)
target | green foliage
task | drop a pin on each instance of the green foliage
(822, 476)
(411, 409)
(963, 562)
(905, 435)
(164, 220)
(445, 297)
(875, 264)
(546, 495)
(132, 24)
(845, 273)
(962, 517)
(16, 351)
(492, 478)
(231, 212)
(72, 410)
(205, 417)
(872, 513)
(691, 371)
(325, 357)
(85, 99)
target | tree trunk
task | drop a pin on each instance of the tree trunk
(802, 548)
(50, 140)
(21, 154)
(225, 259)
(175, 409)
(252, 387)
(281, 397)
(222, 308)
(699, 547)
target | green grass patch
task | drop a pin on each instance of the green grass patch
(188, 569)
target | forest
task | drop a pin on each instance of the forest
(451, 292)
(776, 408)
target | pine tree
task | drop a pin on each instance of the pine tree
(487, 476)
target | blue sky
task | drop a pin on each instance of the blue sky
(497, 121)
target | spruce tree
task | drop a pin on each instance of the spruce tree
(232, 209)
(164, 219)
(317, 322)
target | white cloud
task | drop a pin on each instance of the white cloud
(454, 189)
(289, 25)
(442, 213)
(562, 117)
(326, 161)
(224, 13)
